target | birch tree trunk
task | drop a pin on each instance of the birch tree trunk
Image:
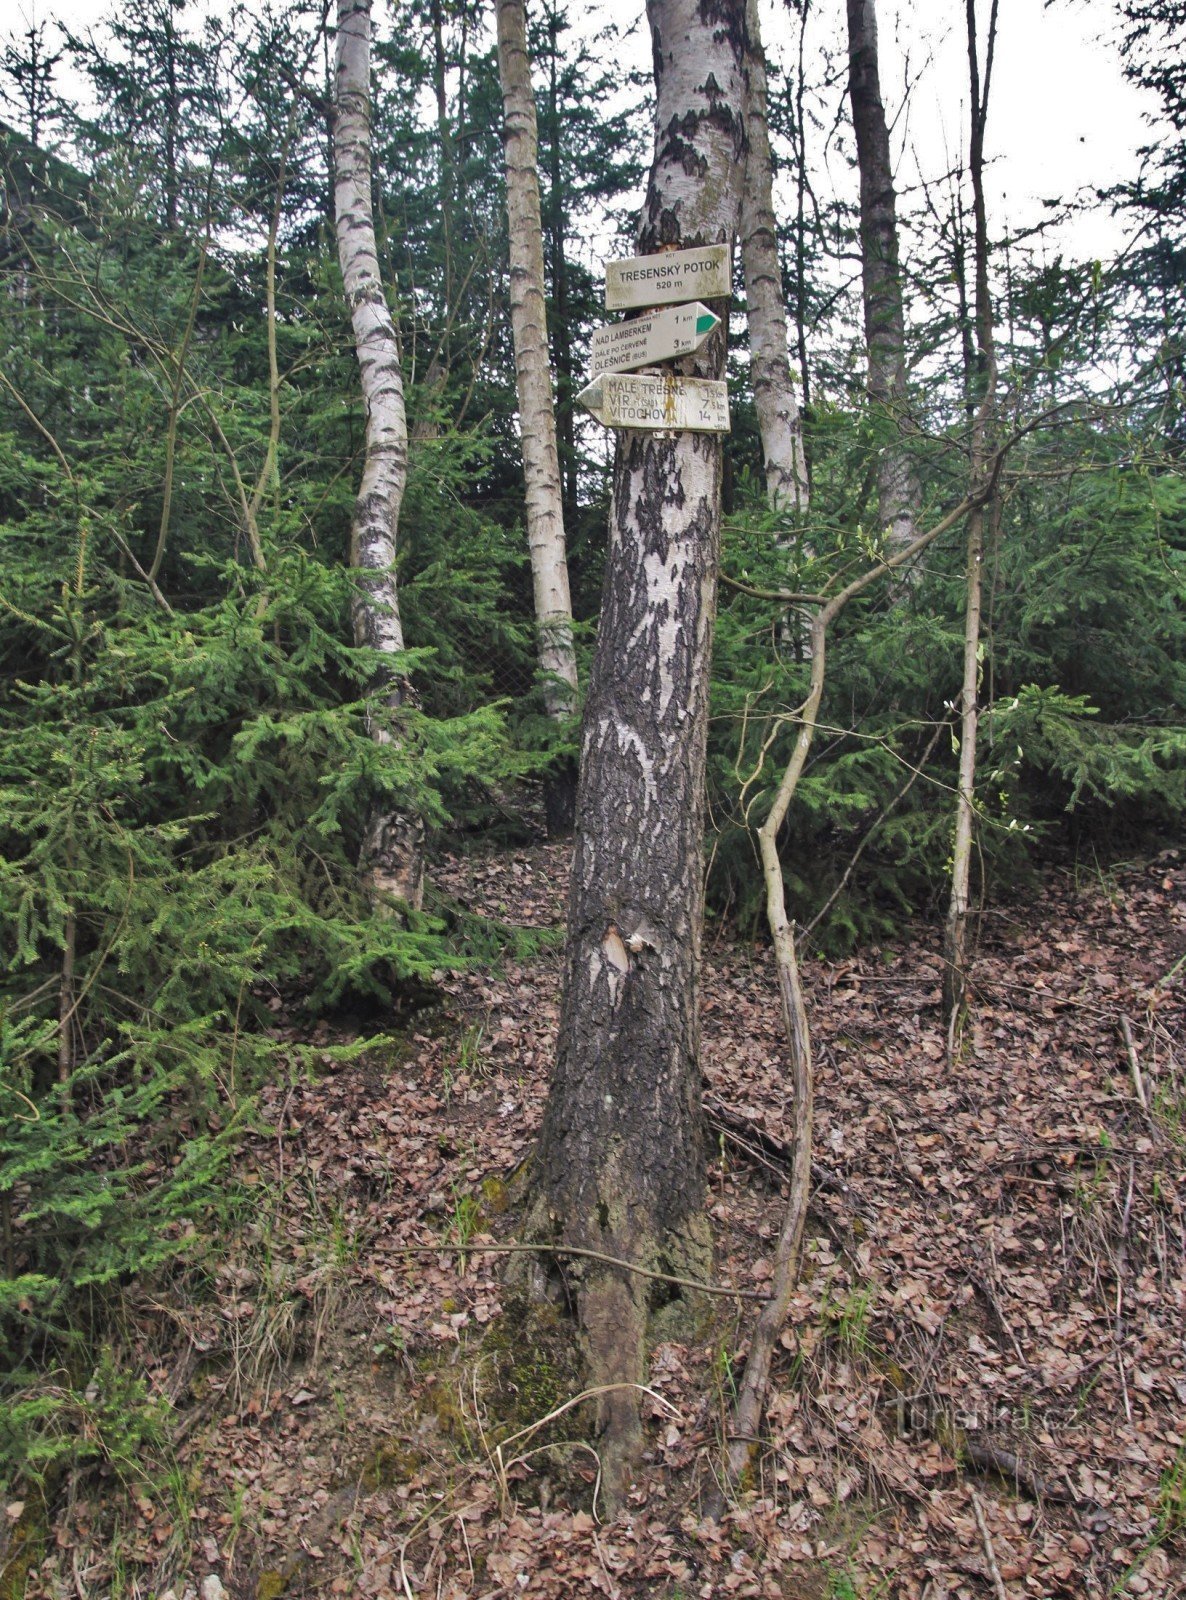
(955, 984)
(393, 848)
(779, 420)
(533, 378)
(557, 263)
(620, 1165)
(885, 331)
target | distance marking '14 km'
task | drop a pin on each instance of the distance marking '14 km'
(662, 336)
(638, 400)
(669, 278)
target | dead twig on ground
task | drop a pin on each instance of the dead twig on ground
(998, 1582)
(1134, 1063)
(768, 1153)
(981, 1456)
(1121, 1263)
(485, 1249)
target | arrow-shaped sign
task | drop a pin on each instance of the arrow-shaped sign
(660, 337)
(638, 400)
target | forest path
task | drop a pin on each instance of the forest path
(995, 1287)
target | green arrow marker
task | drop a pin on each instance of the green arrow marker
(645, 342)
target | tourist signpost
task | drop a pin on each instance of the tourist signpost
(658, 402)
(662, 336)
(679, 280)
(669, 278)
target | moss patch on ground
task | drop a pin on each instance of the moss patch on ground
(532, 1365)
(26, 1547)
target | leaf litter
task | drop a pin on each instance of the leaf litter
(984, 1366)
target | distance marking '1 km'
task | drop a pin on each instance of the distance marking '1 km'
(638, 400)
(662, 336)
(668, 278)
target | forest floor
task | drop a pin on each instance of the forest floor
(982, 1383)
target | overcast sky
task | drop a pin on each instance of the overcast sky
(1063, 119)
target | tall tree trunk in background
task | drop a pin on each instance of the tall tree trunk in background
(800, 148)
(885, 331)
(171, 130)
(566, 385)
(959, 271)
(393, 849)
(983, 426)
(533, 378)
(448, 162)
(779, 422)
(620, 1166)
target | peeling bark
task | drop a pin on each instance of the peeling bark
(779, 422)
(533, 378)
(620, 1166)
(885, 330)
(392, 855)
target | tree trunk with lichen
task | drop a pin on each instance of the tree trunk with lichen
(392, 856)
(621, 1166)
(779, 422)
(885, 324)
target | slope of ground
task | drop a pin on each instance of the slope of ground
(982, 1385)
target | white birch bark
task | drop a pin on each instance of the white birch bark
(393, 848)
(779, 421)
(620, 1166)
(533, 377)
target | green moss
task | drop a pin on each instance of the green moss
(26, 1546)
(531, 1365)
(683, 1320)
(953, 1439)
(393, 1463)
(896, 1376)
(748, 1480)
(271, 1585)
(441, 1398)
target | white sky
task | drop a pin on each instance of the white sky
(1062, 116)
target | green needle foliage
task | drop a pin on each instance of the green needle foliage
(187, 762)
(182, 798)
(187, 768)
(1082, 685)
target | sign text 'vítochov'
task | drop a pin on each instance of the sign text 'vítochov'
(638, 400)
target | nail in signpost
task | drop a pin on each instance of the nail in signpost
(669, 278)
(636, 400)
(662, 336)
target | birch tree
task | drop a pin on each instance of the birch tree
(393, 847)
(981, 446)
(533, 377)
(885, 330)
(779, 421)
(620, 1167)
